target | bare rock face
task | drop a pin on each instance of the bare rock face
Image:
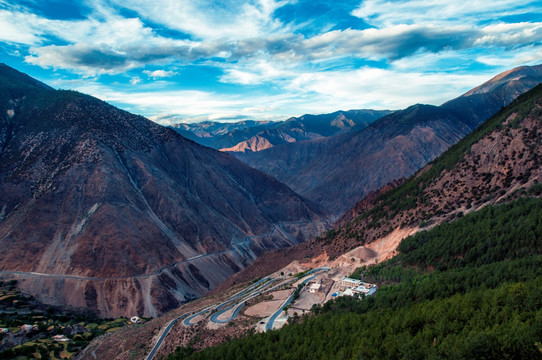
(106, 210)
(339, 170)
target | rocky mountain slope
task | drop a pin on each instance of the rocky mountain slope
(338, 171)
(109, 211)
(493, 164)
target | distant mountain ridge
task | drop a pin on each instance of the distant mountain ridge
(217, 135)
(258, 135)
(108, 211)
(338, 171)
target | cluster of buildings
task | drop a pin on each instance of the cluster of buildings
(355, 286)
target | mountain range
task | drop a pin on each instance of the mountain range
(252, 136)
(456, 248)
(493, 164)
(339, 170)
(108, 211)
(217, 135)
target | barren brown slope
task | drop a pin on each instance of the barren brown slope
(120, 215)
(338, 171)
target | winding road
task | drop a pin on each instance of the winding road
(252, 291)
(163, 336)
(221, 306)
(170, 325)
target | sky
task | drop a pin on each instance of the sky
(231, 60)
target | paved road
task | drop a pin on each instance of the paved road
(164, 334)
(239, 306)
(187, 320)
(256, 285)
(214, 318)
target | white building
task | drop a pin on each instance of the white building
(354, 286)
(349, 282)
(315, 287)
(365, 289)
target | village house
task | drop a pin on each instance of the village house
(365, 289)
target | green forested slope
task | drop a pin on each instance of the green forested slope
(471, 289)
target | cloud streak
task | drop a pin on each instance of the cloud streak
(391, 43)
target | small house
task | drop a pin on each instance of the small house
(315, 287)
(365, 289)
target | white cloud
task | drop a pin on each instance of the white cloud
(512, 58)
(314, 73)
(307, 92)
(510, 34)
(382, 89)
(108, 43)
(256, 72)
(157, 74)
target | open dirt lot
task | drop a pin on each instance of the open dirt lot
(263, 309)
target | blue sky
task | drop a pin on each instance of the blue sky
(229, 60)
